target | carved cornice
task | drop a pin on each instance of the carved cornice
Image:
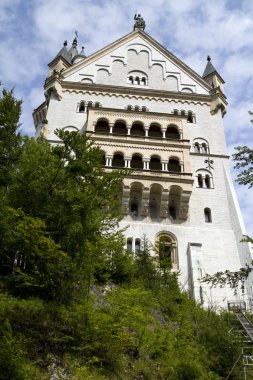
(136, 93)
(124, 146)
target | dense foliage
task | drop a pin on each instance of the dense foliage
(74, 304)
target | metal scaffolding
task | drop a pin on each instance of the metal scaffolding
(245, 335)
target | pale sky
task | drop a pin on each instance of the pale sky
(33, 31)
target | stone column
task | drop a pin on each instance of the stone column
(125, 200)
(182, 166)
(164, 132)
(108, 161)
(145, 202)
(164, 165)
(146, 131)
(181, 134)
(164, 204)
(93, 125)
(146, 163)
(111, 127)
(127, 162)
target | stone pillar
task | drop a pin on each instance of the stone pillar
(128, 129)
(164, 204)
(145, 202)
(164, 165)
(93, 125)
(146, 163)
(181, 166)
(111, 125)
(108, 161)
(127, 162)
(146, 131)
(181, 134)
(164, 132)
(184, 205)
(125, 200)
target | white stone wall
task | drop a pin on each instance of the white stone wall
(218, 242)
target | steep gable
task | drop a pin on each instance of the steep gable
(137, 60)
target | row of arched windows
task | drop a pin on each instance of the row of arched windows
(138, 80)
(154, 130)
(138, 162)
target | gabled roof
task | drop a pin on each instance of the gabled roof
(148, 39)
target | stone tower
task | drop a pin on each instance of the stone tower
(151, 113)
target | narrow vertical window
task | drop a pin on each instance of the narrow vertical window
(130, 244)
(81, 106)
(137, 245)
(207, 214)
(200, 180)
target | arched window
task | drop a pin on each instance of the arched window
(102, 126)
(167, 250)
(200, 145)
(118, 160)
(172, 133)
(204, 179)
(200, 180)
(137, 245)
(191, 118)
(136, 162)
(120, 128)
(143, 81)
(82, 106)
(130, 244)
(137, 78)
(155, 163)
(196, 147)
(137, 130)
(174, 165)
(207, 214)
(174, 201)
(155, 131)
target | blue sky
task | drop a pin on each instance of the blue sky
(32, 32)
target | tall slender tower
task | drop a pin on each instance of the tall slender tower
(151, 113)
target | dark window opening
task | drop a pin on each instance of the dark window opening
(136, 162)
(207, 213)
(130, 244)
(137, 130)
(174, 166)
(207, 182)
(134, 209)
(172, 133)
(172, 212)
(190, 117)
(120, 128)
(155, 164)
(102, 126)
(137, 245)
(82, 107)
(200, 180)
(155, 131)
(118, 161)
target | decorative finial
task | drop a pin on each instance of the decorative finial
(208, 58)
(76, 33)
(139, 22)
(65, 43)
(74, 42)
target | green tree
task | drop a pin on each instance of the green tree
(10, 135)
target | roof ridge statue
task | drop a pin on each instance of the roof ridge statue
(139, 22)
